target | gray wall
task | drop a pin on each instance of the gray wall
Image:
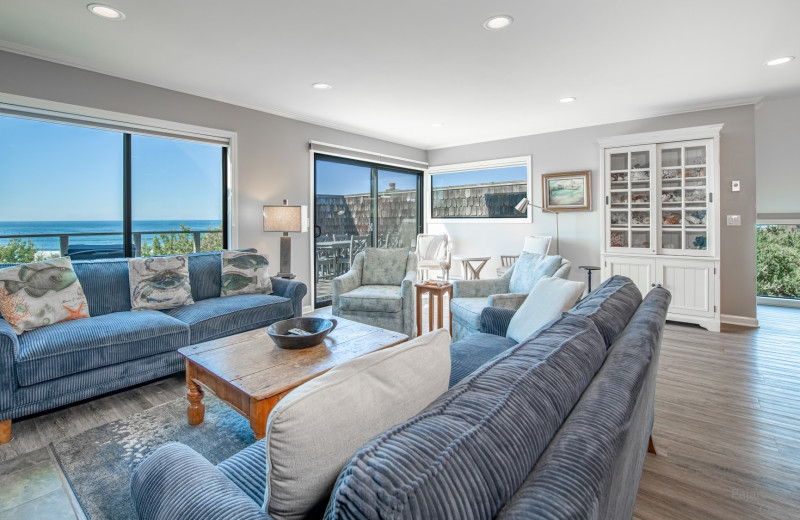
(581, 233)
(777, 140)
(273, 152)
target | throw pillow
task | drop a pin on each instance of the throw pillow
(42, 293)
(159, 282)
(384, 266)
(319, 426)
(245, 273)
(529, 269)
(546, 302)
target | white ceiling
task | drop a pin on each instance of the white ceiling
(398, 66)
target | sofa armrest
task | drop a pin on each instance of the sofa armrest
(507, 301)
(177, 482)
(344, 284)
(8, 380)
(291, 289)
(479, 288)
(409, 303)
(495, 320)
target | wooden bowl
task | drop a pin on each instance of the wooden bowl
(318, 327)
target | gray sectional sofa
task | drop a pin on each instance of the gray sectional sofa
(554, 427)
(67, 362)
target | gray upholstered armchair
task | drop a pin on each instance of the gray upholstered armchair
(378, 290)
(508, 292)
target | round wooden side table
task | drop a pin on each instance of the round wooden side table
(436, 292)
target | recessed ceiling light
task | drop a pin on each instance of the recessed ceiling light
(567, 100)
(779, 61)
(437, 125)
(322, 86)
(104, 11)
(497, 22)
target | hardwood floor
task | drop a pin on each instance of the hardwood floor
(727, 422)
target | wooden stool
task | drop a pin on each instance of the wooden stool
(433, 291)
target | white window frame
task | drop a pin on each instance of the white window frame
(771, 300)
(524, 160)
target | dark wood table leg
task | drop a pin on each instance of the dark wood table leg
(449, 300)
(197, 410)
(651, 448)
(430, 311)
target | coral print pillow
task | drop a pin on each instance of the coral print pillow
(39, 294)
(245, 273)
(159, 283)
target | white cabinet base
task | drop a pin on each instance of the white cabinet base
(692, 282)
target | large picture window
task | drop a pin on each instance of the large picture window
(96, 193)
(485, 190)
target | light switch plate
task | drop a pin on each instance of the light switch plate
(735, 186)
(734, 220)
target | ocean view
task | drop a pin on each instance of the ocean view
(28, 229)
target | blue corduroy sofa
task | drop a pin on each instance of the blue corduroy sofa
(115, 348)
(555, 427)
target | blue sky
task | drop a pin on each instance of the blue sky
(52, 171)
(511, 173)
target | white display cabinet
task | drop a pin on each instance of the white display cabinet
(661, 219)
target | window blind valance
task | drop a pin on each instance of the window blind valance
(366, 155)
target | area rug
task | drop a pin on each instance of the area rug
(98, 462)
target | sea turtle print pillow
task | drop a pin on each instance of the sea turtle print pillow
(245, 273)
(159, 282)
(42, 293)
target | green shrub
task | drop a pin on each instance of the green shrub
(175, 243)
(17, 251)
(778, 262)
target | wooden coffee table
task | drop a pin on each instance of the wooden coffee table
(251, 374)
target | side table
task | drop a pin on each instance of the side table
(434, 292)
(472, 271)
(589, 269)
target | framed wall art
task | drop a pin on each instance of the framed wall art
(567, 191)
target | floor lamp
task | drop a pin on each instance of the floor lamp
(522, 206)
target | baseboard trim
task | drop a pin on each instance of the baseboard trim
(778, 302)
(744, 321)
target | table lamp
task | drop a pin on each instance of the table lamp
(286, 219)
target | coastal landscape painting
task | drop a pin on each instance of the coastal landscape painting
(568, 191)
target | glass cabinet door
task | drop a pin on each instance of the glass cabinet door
(630, 208)
(683, 176)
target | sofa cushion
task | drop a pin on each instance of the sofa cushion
(376, 298)
(468, 310)
(160, 282)
(217, 317)
(105, 283)
(548, 299)
(205, 270)
(75, 346)
(313, 431)
(384, 266)
(42, 293)
(529, 269)
(244, 273)
(610, 306)
(468, 354)
(467, 453)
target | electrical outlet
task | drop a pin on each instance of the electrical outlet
(736, 186)
(734, 220)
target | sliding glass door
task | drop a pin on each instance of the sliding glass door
(357, 205)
